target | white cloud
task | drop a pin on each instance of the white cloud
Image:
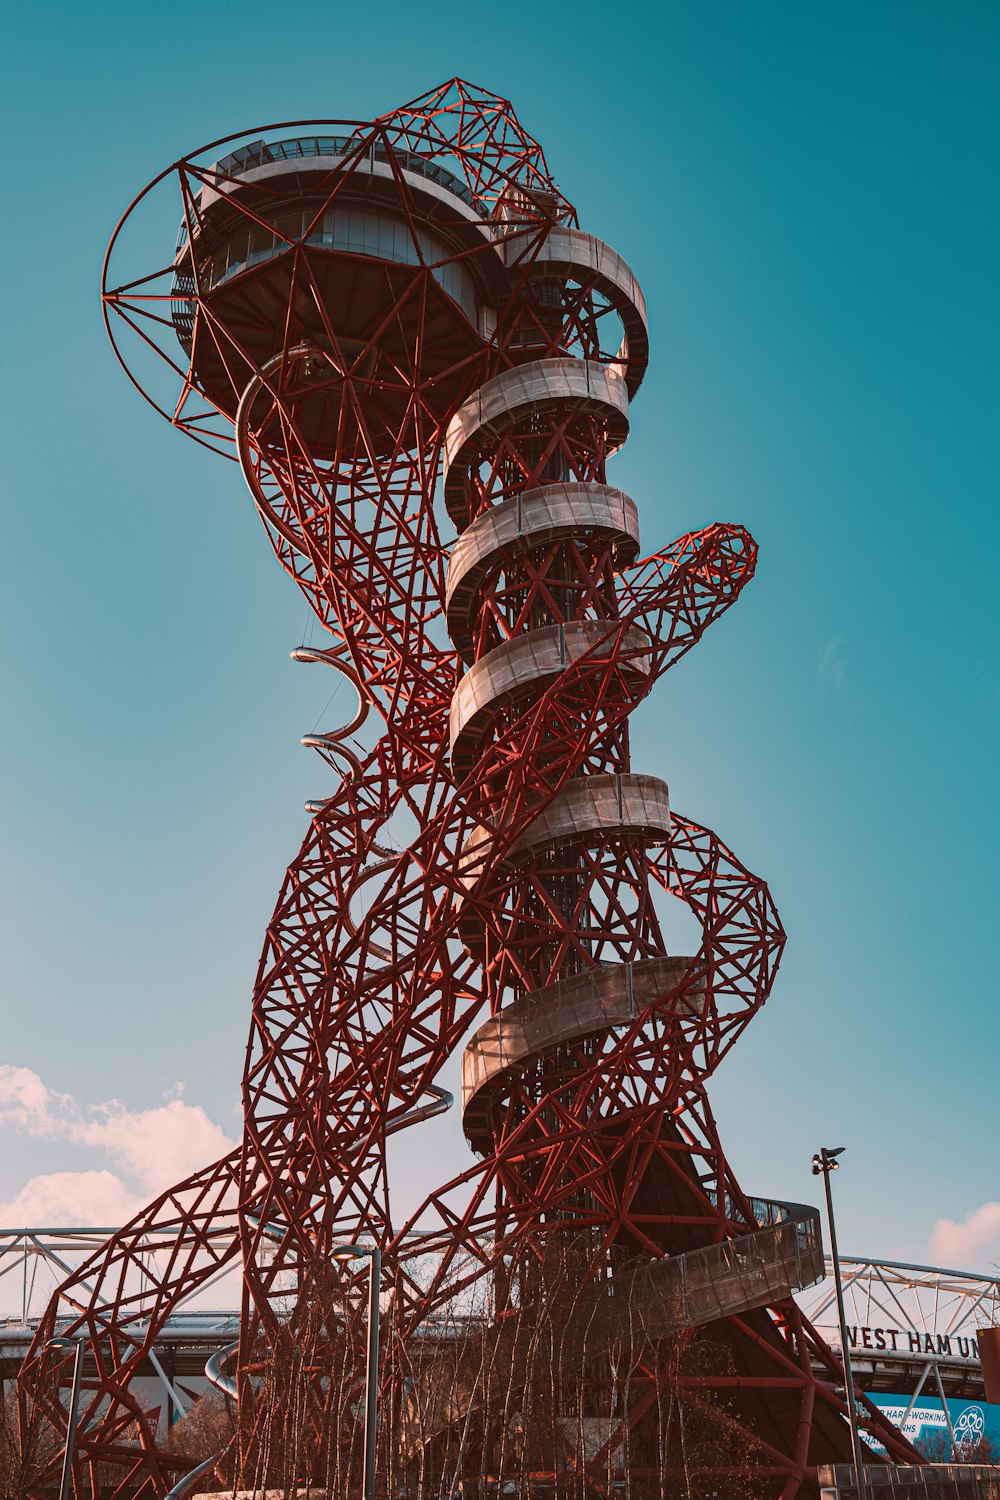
(66, 1199)
(974, 1240)
(830, 666)
(27, 1103)
(158, 1146)
(149, 1150)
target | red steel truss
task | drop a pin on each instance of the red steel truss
(369, 317)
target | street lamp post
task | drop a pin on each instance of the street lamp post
(74, 1403)
(374, 1257)
(823, 1163)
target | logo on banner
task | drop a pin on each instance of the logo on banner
(971, 1425)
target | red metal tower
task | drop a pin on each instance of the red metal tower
(369, 316)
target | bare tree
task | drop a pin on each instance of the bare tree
(206, 1429)
(541, 1381)
(25, 1453)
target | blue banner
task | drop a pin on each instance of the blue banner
(975, 1424)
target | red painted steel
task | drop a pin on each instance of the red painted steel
(347, 362)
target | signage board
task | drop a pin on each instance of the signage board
(974, 1423)
(891, 1340)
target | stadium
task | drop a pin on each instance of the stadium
(914, 1335)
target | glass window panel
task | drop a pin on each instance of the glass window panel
(238, 247)
(406, 249)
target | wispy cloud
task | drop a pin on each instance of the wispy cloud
(830, 665)
(145, 1151)
(975, 1240)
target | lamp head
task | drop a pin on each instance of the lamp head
(349, 1252)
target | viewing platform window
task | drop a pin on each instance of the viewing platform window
(355, 231)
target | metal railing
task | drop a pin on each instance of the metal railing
(261, 153)
(923, 1482)
(737, 1275)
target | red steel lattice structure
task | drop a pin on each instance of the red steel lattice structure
(369, 316)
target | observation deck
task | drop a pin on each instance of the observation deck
(297, 168)
(383, 252)
(379, 251)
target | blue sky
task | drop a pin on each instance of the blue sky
(808, 196)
